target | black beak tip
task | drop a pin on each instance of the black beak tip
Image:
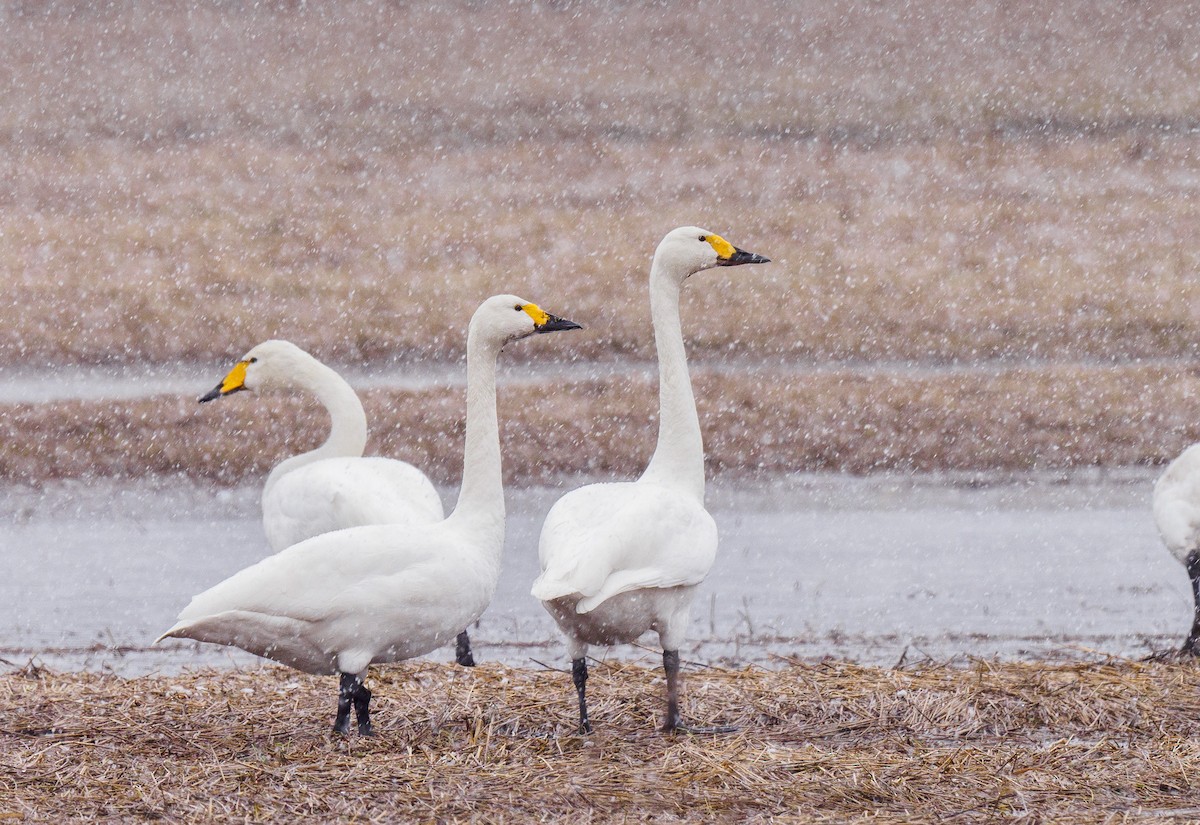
(741, 256)
(210, 395)
(556, 324)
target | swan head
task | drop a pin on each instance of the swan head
(690, 249)
(266, 364)
(504, 318)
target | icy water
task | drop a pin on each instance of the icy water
(873, 570)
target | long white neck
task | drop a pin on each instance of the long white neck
(481, 499)
(678, 459)
(347, 420)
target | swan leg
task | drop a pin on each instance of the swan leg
(674, 720)
(353, 693)
(671, 668)
(1192, 645)
(362, 710)
(579, 677)
(345, 700)
(462, 650)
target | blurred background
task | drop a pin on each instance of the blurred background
(982, 219)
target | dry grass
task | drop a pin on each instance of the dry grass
(1112, 742)
(755, 420)
(941, 182)
(938, 180)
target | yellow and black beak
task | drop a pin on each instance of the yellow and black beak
(741, 256)
(730, 255)
(233, 382)
(545, 322)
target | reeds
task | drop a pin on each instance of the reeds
(1107, 741)
(756, 421)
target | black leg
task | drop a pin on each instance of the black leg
(671, 668)
(579, 676)
(462, 650)
(362, 710)
(1192, 645)
(346, 690)
(352, 692)
(674, 721)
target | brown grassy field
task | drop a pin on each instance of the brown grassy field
(827, 742)
(757, 422)
(935, 182)
(940, 180)
(1004, 197)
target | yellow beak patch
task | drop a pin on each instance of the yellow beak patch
(235, 379)
(723, 247)
(540, 316)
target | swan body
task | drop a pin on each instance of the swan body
(334, 486)
(345, 600)
(622, 537)
(620, 559)
(1176, 505)
(341, 601)
(336, 493)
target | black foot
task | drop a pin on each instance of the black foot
(462, 650)
(674, 721)
(353, 693)
(579, 676)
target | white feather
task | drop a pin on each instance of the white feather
(619, 560)
(1176, 504)
(381, 593)
(332, 487)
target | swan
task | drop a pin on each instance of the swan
(334, 486)
(1176, 504)
(339, 602)
(619, 559)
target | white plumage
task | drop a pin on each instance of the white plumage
(1176, 506)
(332, 487)
(619, 560)
(341, 601)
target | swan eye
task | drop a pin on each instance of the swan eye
(254, 360)
(703, 238)
(518, 307)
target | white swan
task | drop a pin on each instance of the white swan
(341, 601)
(1177, 514)
(332, 487)
(621, 559)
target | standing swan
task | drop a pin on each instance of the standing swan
(623, 558)
(341, 601)
(332, 487)
(1177, 515)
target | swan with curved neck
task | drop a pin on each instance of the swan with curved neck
(621, 559)
(339, 602)
(333, 486)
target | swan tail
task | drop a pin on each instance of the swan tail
(273, 637)
(548, 589)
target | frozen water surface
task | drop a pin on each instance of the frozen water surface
(866, 569)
